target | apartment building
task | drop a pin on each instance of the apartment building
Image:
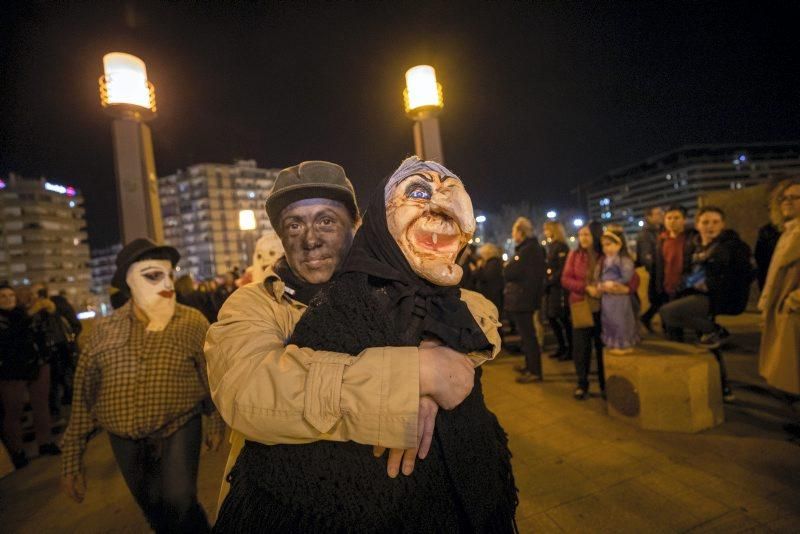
(200, 209)
(680, 176)
(43, 236)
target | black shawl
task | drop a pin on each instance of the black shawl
(464, 485)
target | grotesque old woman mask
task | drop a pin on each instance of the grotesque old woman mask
(429, 214)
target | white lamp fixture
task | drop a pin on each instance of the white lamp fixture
(125, 82)
(247, 220)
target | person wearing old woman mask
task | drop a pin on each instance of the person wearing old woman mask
(142, 378)
(398, 287)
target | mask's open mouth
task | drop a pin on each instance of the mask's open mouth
(435, 233)
(166, 294)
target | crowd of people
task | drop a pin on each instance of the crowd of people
(352, 349)
(38, 354)
(590, 296)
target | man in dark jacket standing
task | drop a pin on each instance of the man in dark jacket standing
(524, 279)
(718, 283)
(648, 256)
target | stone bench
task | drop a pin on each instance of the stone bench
(665, 386)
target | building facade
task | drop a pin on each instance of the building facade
(43, 237)
(200, 209)
(680, 176)
(103, 265)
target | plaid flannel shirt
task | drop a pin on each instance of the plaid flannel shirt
(138, 384)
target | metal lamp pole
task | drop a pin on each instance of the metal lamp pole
(130, 99)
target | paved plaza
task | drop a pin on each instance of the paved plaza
(577, 469)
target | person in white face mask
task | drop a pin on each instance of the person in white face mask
(142, 378)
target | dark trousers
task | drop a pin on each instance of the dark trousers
(692, 312)
(162, 476)
(530, 345)
(61, 375)
(562, 329)
(582, 341)
(656, 301)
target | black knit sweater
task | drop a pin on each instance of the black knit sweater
(465, 484)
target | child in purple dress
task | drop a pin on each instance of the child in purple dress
(618, 307)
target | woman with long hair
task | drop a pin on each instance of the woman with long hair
(779, 361)
(580, 277)
(555, 306)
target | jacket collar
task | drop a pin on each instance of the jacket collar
(276, 289)
(125, 312)
(792, 248)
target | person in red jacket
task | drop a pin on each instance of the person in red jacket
(579, 278)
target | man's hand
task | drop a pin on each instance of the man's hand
(406, 458)
(444, 374)
(213, 440)
(592, 291)
(74, 486)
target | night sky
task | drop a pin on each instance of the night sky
(539, 97)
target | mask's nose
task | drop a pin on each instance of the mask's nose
(456, 204)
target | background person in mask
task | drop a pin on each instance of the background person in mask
(142, 377)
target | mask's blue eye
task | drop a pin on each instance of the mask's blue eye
(419, 193)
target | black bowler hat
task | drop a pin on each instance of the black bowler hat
(131, 253)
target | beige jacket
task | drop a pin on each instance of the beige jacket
(779, 361)
(271, 392)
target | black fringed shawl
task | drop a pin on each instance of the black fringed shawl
(464, 485)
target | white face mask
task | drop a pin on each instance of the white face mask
(153, 291)
(268, 249)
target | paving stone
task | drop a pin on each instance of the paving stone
(730, 523)
(539, 523)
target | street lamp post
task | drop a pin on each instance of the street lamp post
(129, 98)
(423, 102)
(247, 224)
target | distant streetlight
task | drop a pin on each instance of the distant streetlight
(480, 219)
(641, 224)
(127, 95)
(247, 220)
(577, 223)
(552, 214)
(247, 224)
(423, 101)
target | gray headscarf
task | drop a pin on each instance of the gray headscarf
(413, 165)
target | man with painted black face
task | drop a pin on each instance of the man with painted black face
(273, 392)
(142, 378)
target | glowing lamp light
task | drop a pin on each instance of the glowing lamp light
(480, 219)
(552, 214)
(2, 184)
(125, 82)
(505, 257)
(422, 90)
(577, 223)
(247, 220)
(641, 224)
(86, 315)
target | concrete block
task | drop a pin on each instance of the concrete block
(665, 386)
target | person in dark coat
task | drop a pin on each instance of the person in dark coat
(61, 391)
(186, 294)
(522, 295)
(648, 256)
(22, 370)
(719, 281)
(488, 275)
(556, 307)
